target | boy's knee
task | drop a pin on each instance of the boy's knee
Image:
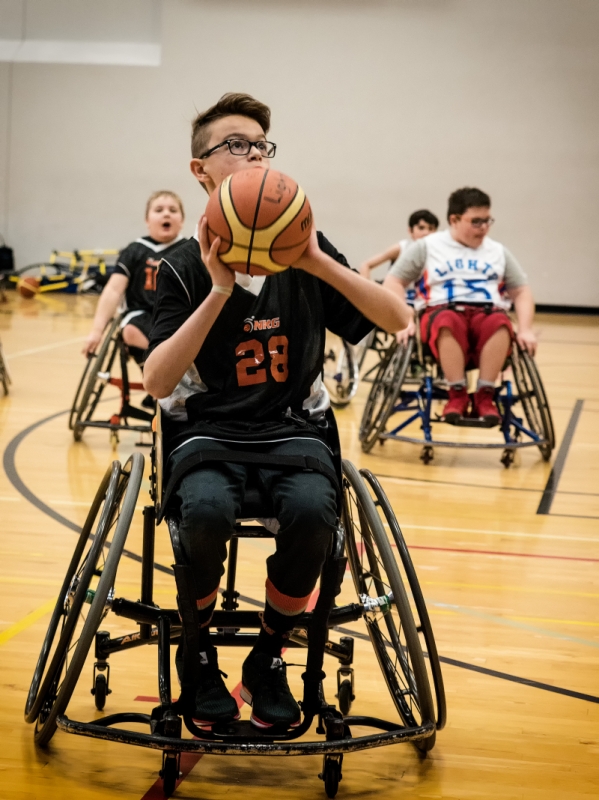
(314, 512)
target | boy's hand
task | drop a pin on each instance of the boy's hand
(91, 343)
(309, 260)
(221, 274)
(401, 337)
(527, 341)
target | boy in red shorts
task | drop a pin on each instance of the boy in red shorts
(468, 282)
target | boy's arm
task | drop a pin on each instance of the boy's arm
(524, 306)
(110, 300)
(386, 309)
(170, 360)
(390, 254)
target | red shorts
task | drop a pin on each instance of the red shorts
(471, 327)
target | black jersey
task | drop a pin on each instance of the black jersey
(264, 352)
(139, 263)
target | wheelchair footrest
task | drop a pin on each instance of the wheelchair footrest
(472, 422)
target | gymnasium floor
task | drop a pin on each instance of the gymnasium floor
(513, 594)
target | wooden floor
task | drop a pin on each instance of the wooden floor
(513, 595)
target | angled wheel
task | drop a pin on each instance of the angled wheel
(412, 585)
(391, 626)
(84, 598)
(94, 380)
(340, 371)
(4, 373)
(533, 398)
(384, 392)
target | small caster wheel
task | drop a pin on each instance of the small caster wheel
(114, 439)
(100, 691)
(77, 432)
(345, 697)
(170, 772)
(427, 454)
(331, 774)
(507, 457)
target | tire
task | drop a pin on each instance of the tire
(340, 371)
(344, 695)
(417, 602)
(118, 505)
(4, 373)
(532, 395)
(93, 386)
(100, 691)
(384, 393)
(392, 631)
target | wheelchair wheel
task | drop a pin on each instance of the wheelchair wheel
(533, 398)
(92, 384)
(340, 371)
(391, 626)
(4, 373)
(88, 584)
(410, 580)
(384, 393)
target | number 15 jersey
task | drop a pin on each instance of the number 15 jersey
(447, 271)
(265, 351)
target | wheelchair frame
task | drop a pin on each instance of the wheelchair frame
(96, 376)
(410, 364)
(5, 378)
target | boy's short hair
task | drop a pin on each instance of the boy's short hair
(232, 103)
(463, 199)
(156, 195)
(423, 215)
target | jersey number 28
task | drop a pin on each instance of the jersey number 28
(249, 370)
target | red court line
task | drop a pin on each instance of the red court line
(189, 760)
(501, 553)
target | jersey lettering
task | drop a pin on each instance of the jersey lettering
(249, 371)
(150, 284)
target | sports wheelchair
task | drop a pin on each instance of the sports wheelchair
(344, 364)
(5, 379)
(97, 374)
(409, 380)
(386, 597)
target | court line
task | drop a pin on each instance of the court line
(493, 673)
(574, 516)
(398, 478)
(505, 587)
(26, 622)
(517, 534)
(501, 553)
(560, 461)
(44, 347)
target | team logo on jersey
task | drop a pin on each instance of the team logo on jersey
(252, 324)
(152, 262)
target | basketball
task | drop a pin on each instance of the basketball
(29, 287)
(264, 221)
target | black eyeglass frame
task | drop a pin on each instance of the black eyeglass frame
(240, 139)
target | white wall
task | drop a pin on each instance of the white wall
(378, 108)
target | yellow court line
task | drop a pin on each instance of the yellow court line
(44, 347)
(508, 588)
(524, 619)
(26, 622)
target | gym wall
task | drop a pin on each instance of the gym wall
(379, 108)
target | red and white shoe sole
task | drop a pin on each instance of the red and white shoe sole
(247, 698)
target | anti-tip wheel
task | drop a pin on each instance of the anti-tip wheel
(427, 454)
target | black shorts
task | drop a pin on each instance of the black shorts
(141, 320)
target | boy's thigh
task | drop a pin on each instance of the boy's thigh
(485, 325)
(434, 320)
(212, 495)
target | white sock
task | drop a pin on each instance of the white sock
(480, 384)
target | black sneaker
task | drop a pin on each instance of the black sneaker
(213, 703)
(265, 688)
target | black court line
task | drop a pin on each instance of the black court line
(14, 477)
(9, 463)
(479, 485)
(560, 460)
(493, 673)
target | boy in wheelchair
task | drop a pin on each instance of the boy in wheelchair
(134, 278)
(467, 281)
(233, 393)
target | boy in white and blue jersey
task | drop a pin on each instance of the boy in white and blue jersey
(467, 281)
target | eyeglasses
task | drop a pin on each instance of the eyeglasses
(478, 222)
(241, 147)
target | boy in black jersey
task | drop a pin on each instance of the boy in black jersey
(134, 277)
(236, 363)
